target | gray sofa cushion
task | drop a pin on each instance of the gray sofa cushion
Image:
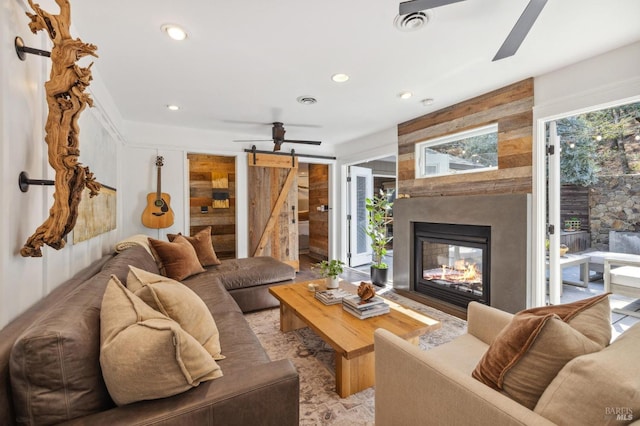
(251, 271)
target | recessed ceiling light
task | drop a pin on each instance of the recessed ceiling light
(340, 78)
(427, 101)
(307, 100)
(405, 95)
(173, 107)
(174, 31)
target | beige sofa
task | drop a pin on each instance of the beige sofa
(435, 387)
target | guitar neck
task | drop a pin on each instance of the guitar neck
(159, 180)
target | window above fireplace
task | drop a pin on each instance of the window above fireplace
(470, 151)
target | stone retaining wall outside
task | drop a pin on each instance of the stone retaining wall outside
(614, 206)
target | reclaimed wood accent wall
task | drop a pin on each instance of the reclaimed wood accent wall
(318, 221)
(212, 176)
(511, 108)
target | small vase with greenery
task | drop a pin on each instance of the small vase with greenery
(331, 269)
(379, 209)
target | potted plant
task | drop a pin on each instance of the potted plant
(331, 269)
(379, 209)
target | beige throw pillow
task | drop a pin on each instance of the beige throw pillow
(203, 246)
(599, 388)
(145, 355)
(177, 259)
(178, 302)
(527, 355)
(591, 317)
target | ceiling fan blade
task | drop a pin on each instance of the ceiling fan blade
(414, 6)
(520, 29)
(253, 140)
(305, 142)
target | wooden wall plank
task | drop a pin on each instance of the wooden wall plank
(204, 169)
(511, 107)
(318, 221)
(504, 95)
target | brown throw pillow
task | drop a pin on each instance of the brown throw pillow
(591, 317)
(178, 302)
(528, 353)
(177, 259)
(201, 242)
(145, 355)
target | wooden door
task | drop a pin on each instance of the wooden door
(273, 207)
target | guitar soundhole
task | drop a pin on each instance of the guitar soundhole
(158, 203)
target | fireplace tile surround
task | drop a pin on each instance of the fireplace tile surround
(508, 215)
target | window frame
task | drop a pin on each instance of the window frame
(465, 134)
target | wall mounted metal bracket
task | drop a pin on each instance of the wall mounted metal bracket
(24, 182)
(22, 50)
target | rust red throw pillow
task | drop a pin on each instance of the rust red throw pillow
(176, 260)
(201, 242)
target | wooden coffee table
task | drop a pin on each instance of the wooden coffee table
(350, 337)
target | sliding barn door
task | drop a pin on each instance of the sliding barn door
(273, 207)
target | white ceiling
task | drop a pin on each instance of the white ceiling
(248, 61)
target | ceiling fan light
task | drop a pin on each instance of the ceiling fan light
(340, 77)
(175, 32)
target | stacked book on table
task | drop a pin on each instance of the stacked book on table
(331, 297)
(371, 308)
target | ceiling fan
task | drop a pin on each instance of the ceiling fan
(513, 40)
(277, 136)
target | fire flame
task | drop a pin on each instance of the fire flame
(470, 272)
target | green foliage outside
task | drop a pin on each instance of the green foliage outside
(599, 142)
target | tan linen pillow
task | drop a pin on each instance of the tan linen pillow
(201, 242)
(178, 302)
(145, 355)
(591, 317)
(600, 388)
(177, 259)
(528, 353)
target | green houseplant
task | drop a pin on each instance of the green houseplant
(379, 209)
(331, 269)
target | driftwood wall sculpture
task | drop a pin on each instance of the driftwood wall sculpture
(66, 100)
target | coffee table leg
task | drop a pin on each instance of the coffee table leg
(354, 375)
(289, 321)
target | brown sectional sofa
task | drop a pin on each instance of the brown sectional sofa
(49, 356)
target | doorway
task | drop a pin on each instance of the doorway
(365, 179)
(212, 200)
(313, 211)
(592, 168)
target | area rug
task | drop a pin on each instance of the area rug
(314, 360)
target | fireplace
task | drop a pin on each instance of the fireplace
(452, 262)
(506, 267)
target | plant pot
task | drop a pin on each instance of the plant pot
(333, 282)
(379, 276)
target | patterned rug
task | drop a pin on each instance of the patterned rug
(314, 360)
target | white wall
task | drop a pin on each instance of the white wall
(605, 80)
(23, 281)
(146, 141)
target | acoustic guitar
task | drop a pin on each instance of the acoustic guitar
(158, 213)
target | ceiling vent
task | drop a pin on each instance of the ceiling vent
(411, 22)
